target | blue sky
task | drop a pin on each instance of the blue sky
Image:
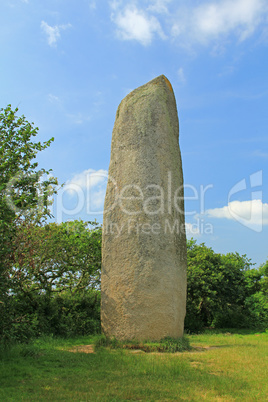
(67, 64)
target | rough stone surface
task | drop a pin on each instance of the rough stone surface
(144, 244)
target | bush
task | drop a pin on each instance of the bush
(233, 317)
(257, 304)
(224, 290)
(60, 315)
(193, 322)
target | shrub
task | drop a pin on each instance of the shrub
(60, 315)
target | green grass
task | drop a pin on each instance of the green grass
(221, 367)
(165, 345)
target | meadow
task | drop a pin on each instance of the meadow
(221, 366)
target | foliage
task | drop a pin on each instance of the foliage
(55, 280)
(57, 257)
(257, 301)
(223, 290)
(63, 315)
(24, 193)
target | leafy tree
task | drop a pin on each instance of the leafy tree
(217, 288)
(24, 191)
(57, 257)
(54, 279)
(257, 300)
(21, 189)
(203, 283)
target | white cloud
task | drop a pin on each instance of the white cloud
(192, 230)
(78, 118)
(159, 6)
(53, 98)
(97, 200)
(89, 187)
(218, 19)
(260, 154)
(227, 70)
(135, 24)
(53, 32)
(181, 75)
(86, 180)
(114, 4)
(252, 214)
(92, 5)
(83, 194)
(209, 21)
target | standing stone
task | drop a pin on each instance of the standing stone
(143, 281)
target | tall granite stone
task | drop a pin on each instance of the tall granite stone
(143, 283)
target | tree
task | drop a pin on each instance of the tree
(217, 288)
(257, 300)
(55, 279)
(21, 188)
(203, 284)
(24, 191)
(54, 258)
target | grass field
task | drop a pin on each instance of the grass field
(221, 367)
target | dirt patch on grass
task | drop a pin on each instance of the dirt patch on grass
(204, 348)
(82, 349)
(90, 349)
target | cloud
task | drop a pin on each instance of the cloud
(53, 98)
(227, 70)
(82, 195)
(92, 5)
(242, 15)
(78, 118)
(115, 4)
(192, 230)
(252, 214)
(159, 6)
(260, 154)
(81, 116)
(212, 20)
(53, 32)
(135, 24)
(181, 75)
(97, 201)
(89, 188)
(86, 180)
